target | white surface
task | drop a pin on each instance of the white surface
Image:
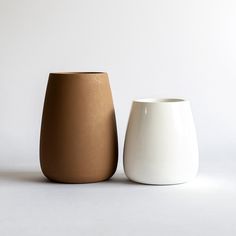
(206, 206)
(161, 144)
(154, 48)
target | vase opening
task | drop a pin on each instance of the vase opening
(78, 73)
(154, 100)
(172, 100)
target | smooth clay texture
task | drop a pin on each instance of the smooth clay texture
(78, 135)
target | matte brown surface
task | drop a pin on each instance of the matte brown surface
(78, 141)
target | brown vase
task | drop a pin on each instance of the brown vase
(78, 142)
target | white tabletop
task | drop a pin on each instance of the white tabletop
(31, 205)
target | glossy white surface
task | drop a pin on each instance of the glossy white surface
(161, 144)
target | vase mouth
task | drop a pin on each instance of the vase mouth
(79, 73)
(162, 100)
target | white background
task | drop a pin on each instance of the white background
(161, 48)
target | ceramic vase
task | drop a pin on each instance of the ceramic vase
(78, 142)
(161, 145)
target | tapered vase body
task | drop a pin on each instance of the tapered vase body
(78, 142)
(161, 144)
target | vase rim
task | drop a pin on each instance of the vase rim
(161, 100)
(79, 73)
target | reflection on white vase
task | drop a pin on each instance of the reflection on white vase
(161, 144)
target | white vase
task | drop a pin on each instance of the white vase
(161, 144)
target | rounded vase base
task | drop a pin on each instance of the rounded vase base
(161, 183)
(89, 181)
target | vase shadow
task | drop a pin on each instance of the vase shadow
(34, 176)
(29, 176)
(119, 178)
